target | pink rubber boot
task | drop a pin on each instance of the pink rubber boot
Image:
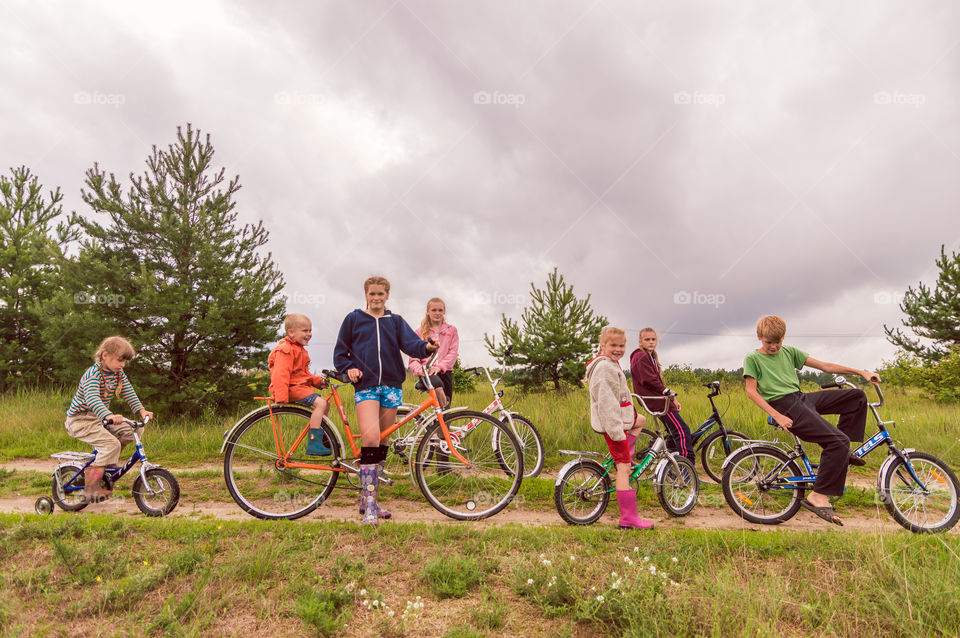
(629, 518)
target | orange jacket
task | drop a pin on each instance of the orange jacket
(290, 378)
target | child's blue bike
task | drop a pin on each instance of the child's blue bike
(765, 481)
(155, 490)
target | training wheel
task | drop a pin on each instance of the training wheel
(44, 505)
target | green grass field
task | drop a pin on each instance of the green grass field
(31, 423)
(100, 575)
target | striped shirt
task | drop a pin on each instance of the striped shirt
(96, 388)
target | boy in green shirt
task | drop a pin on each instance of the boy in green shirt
(770, 375)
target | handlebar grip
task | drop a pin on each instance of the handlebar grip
(827, 386)
(339, 376)
(474, 370)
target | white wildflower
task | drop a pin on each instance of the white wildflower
(600, 599)
(529, 581)
(674, 559)
(362, 592)
(653, 569)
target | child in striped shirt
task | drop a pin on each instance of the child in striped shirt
(91, 407)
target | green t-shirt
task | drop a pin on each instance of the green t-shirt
(776, 374)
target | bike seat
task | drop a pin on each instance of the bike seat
(338, 376)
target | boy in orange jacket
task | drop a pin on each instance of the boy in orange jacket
(292, 382)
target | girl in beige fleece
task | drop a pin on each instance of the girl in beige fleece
(612, 414)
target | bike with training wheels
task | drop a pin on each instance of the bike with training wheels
(155, 490)
(583, 486)
(765, 481)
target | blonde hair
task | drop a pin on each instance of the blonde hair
(115, 346)
(610, 331)
(376, 280)
(653, 354)
(771, 328)
(294, 320)
(425, 324)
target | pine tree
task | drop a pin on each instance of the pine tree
(932, 314)
(174, 273)
(30, 251)
(556, 335)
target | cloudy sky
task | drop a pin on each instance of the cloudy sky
(690, 165)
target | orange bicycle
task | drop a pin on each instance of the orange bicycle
(467, 464)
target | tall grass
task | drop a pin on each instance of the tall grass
(31, 422)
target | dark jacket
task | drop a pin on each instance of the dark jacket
(646, 379)
(373, 345)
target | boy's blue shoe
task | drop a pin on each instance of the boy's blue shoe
(316, 446)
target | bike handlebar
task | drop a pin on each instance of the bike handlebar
(665, 397)
(840, 382)
(136, 424)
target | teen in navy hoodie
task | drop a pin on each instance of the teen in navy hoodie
(368, 350)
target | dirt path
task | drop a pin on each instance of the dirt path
(700, 518)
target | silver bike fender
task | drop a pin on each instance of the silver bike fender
(569, 466)
(885, 467)
(751, 446)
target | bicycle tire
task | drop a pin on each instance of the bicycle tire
(678, 492)
(909, 506)
(716, 449)
(582, 492)
(403, 444)
(530, 440)
(480, 490)
(165, 496)
(255, 476)
(69, 500)
(753, 502)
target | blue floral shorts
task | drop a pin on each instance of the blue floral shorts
(386, 396)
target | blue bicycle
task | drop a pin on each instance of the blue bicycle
(155, 490)
(765, 481)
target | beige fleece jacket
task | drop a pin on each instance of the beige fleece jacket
(611, 408)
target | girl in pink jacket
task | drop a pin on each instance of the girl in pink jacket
(441, 372)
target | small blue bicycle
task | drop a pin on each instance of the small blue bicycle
(155, 490)
(763, 481)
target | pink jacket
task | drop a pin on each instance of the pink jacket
(449, 342)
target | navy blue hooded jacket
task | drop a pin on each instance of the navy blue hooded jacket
(373, 345)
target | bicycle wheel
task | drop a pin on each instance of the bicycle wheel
(403, 443)
(755, 485)
(582, 492)
(67, 493)
(529, 439)
(715, 450)
(469, 492)
(258, 479)
(931, 510)
(677, 489)
(162, 495)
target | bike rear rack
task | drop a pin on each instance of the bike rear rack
(73, 456)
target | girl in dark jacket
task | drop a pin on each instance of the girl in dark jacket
(368, 349)
(646, 374)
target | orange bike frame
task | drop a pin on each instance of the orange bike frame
(283, 454)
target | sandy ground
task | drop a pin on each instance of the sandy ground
(700, 518)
